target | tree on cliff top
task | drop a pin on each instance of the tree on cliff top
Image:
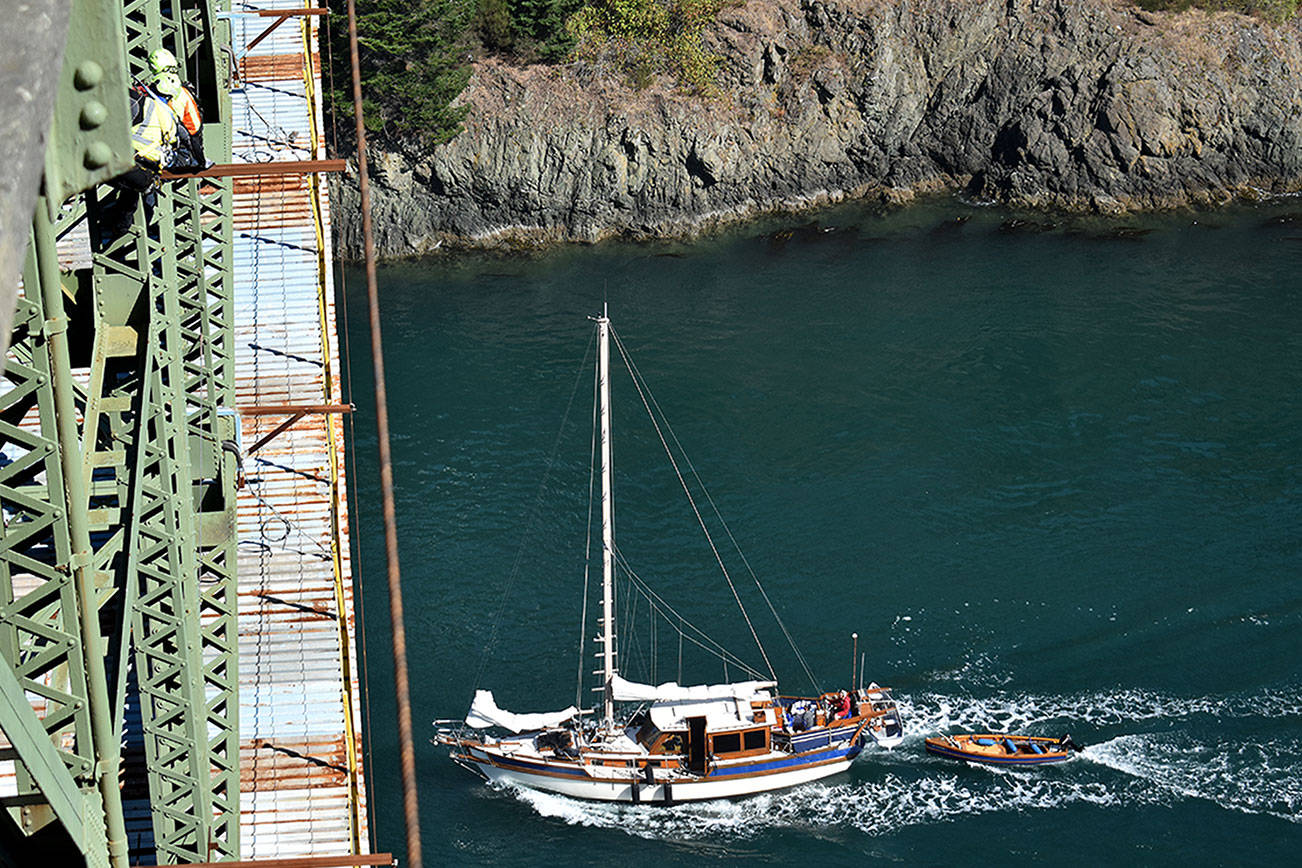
(413, 65)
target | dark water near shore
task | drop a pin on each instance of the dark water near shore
(1050, 477)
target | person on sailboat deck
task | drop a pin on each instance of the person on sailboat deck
(843, 706)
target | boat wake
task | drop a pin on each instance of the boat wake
(1173, 749)
(874, 808)
(1256, 778)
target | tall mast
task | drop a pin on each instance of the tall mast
(607, 519)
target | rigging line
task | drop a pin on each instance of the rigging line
(800, 657)
(631, 646)
(638, 384)
(724, 659)
(717, 650)
(642, 586)
(530, 520)
(587, 546)
(651, 619)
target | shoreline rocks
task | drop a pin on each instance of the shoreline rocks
(1071, 105)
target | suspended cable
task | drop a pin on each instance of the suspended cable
(638, 384)
(407, 755)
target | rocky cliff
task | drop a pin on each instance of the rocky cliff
(1082, 105)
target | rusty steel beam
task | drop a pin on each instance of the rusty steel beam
(281, 409)
(276, 167)
(355, 861)
(296, 413)
(281, 17)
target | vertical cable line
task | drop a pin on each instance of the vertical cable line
(411, 806)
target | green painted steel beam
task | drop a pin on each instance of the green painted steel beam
(28, 736)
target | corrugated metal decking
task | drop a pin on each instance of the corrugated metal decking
(296, 618)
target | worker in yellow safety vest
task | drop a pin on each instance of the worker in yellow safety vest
(166, 81)
(153, 131)
(155, 135)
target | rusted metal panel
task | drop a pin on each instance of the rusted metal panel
(301, 795)
(276, 66)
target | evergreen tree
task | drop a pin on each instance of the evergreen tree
(413, 65)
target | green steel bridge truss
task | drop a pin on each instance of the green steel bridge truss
(117, 482)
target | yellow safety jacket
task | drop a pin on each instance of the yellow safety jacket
(154, 137)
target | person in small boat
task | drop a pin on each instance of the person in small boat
(842, 705)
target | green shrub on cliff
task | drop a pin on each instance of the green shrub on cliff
(1272, 10)
(526, 30)
(643, 38)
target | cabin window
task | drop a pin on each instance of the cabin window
(754, 739)
(727, 742)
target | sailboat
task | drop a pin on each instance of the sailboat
(667, 743)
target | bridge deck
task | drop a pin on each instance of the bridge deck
(300, 722)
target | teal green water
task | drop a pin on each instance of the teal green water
(1051, 478)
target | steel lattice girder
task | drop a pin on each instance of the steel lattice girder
(183, 619)
(40, 636)
(158, 489)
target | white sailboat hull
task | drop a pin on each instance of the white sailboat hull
(659, 793)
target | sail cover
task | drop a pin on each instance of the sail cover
(671, 691)
(485, 713)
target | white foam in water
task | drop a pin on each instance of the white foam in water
(1234, 773)
(876, 808)
(928, 713)
(1263, 778)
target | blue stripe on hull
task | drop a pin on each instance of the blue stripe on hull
(1010, 760)
(814, 739)
(786, 764)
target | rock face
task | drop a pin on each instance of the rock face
(1082, 105)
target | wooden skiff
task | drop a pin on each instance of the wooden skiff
(1003, 750)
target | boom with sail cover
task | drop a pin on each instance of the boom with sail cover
(485, 713)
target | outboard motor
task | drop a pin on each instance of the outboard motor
(1067, 743)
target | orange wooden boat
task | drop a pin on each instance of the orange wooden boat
(1000, 749)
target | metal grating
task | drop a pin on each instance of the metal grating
(301, 795)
